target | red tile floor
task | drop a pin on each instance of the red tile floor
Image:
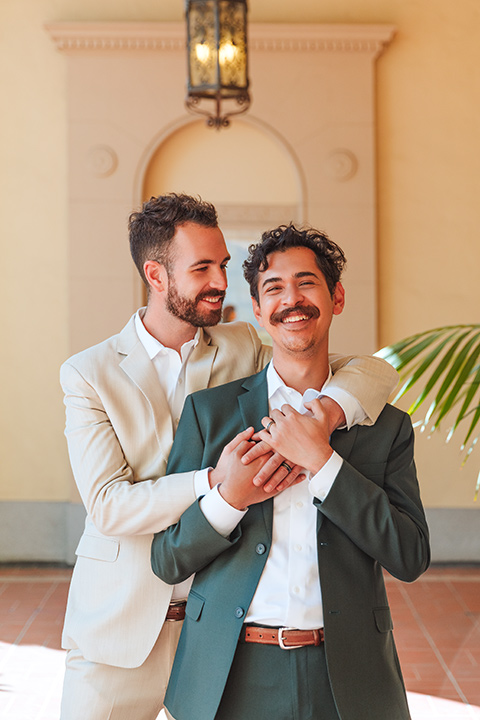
(437, 630)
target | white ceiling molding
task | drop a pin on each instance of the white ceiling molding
(81, 37)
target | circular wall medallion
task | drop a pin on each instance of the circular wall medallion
(103, 160)
(341, 165)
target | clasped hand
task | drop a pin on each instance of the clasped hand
(249, 472)
(305, 439)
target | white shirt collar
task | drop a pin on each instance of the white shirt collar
(154, 346)
(275, 383)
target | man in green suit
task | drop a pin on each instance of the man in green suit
(288, 616)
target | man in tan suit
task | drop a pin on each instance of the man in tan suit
(123, 399)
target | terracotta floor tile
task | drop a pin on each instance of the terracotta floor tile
(410, 639)
(437, 632)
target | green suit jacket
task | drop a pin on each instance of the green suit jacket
(371, 518)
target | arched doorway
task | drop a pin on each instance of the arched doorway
(249, 175)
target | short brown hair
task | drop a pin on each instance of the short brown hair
(151, 229)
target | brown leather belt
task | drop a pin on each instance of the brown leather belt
(286, 638)
(176, 610)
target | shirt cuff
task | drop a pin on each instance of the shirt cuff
(321, 483)
(220, 514)
(354, 412)
(201, 483)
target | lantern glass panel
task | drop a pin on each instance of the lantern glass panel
(232, 46)
(202, 46)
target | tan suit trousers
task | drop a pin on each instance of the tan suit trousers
(103, 692)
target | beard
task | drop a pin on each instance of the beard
(186, 309)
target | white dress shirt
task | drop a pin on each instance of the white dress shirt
(171, 368)
(169, 364)
(288, 593)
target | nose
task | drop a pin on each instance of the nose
(292, 295)
(218, 278)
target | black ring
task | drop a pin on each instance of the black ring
(286, 465)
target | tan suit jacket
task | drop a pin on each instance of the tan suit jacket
(119, 432)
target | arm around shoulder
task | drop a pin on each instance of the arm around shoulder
(369, 379)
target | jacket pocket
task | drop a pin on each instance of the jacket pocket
(98, 548)
(195, 605)
(383, 619)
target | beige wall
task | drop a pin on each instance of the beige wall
(428, 216)
(195, 161)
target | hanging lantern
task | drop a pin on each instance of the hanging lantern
(217, 59)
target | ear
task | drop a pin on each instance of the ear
(338, 299)
(257, 312)
(156, 275)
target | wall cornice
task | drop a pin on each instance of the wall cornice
(123, 36)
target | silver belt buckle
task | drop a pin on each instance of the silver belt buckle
(281, 641)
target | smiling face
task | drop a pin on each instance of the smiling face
(295, 305)
(197, 278)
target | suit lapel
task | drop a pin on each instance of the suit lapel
(141, 371)
(342, 441)
(199, 366)
(253, 406)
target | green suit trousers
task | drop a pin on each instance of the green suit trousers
(273, 684)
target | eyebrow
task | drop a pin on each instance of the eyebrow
(210, 262)
(303, 273)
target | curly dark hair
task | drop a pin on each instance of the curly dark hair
(151, 229)
(329, 256)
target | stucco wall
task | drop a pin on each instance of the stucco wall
(428, 144)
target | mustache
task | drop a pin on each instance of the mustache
(310, 311)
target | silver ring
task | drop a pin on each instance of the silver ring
(286, 465)
(272, 422)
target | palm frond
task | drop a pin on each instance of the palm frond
(443, 364)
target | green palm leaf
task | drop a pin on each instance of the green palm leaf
(423, 367)
(459, 372)
(442, 364)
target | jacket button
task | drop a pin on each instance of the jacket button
(260, 549)
(239, 612)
